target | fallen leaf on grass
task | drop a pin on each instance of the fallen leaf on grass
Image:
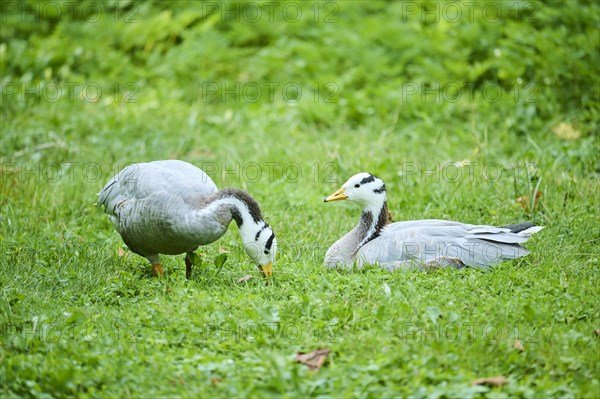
(245, 278)
(518, 345)
(490, 381)
(215, 380)
(223, 250)
(526, 203)
(597, 332)
(121, 252)
(314, 359)
(566, 131)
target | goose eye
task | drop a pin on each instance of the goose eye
(357, 185)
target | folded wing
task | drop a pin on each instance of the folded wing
(423, 241)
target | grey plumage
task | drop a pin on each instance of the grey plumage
(423, 241)
(419, 243)
(519, 227)
(150, 205)
(172, 207)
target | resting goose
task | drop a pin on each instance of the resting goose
(171, 207)
(418, 244)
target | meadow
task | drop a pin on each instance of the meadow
(462, 108)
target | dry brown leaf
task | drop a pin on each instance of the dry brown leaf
(597, 332)
(490, 381)
(566, 131)
(518, 345)
(525, 203)
(215, 380)
(314, 359)
(199, 153)
(120, 252)
(245, 278)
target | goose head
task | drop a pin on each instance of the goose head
(256, 234)
(260, 245)
(364, 188)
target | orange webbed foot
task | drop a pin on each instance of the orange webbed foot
(158, 270)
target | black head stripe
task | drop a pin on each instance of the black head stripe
(260, 231)
(367, 179)
(380, 190)
(270, 241)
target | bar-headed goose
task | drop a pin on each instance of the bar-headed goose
(418, 243)
(171, 207)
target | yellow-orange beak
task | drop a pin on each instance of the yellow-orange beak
(267, 270)
(337, 196)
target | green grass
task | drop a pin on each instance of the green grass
(77, 319)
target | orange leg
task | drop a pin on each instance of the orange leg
(158, 270)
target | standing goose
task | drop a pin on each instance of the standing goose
(418, 243)
(171, 207)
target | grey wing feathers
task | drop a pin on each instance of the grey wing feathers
(426, 240)
(523, 227)
(138, 181)
(501, 237)
(114, 192)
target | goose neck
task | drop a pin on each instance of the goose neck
(240, 207)
(372, 221)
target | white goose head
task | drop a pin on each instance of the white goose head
(260, 245)
(257, 236)
(363, 188)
